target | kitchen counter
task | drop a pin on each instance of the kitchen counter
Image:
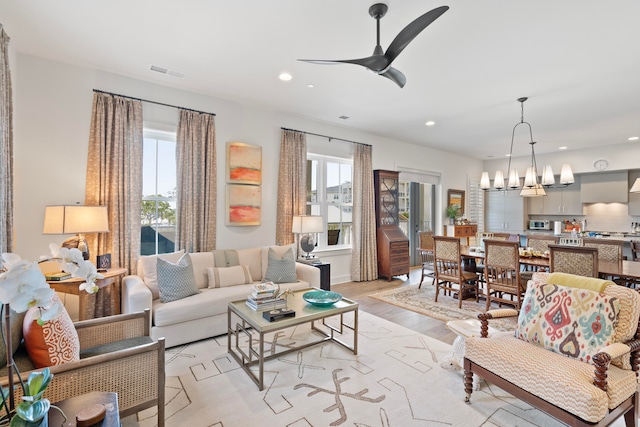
(626, 237)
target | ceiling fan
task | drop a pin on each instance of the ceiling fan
(380, 63)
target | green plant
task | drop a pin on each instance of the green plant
(452, 211)
(34, 407)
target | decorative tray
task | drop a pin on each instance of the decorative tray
(321, 298)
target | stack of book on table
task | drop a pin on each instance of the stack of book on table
(264, 296)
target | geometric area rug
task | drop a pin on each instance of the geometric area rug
(423, 301)
(395, 380)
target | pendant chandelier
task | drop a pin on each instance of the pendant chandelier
(531, 187)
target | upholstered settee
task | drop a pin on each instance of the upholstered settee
(221, 276)
(574, 353)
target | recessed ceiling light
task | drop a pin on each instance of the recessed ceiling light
(562, 148)
(285, 77)
(634, 138)
(430, 123)
(507, 155)
(344, 117)
(310, 86)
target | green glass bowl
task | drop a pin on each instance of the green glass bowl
(321, 298)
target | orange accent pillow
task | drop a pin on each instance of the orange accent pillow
(54, 343)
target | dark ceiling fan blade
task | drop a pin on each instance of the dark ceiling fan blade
(411, 31)
(395, 76)
(374, 62)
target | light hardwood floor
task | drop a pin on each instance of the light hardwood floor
(360, 291)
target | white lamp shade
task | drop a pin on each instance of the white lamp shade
(530, 178)
(514, 178)
(498, 181)
(566, 174)
(75, 219)
(547, 176)
(485, 184)
(536, 191)
(635, 188)
(307, 224)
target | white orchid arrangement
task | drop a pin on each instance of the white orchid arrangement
(72, 261)
(22, 285)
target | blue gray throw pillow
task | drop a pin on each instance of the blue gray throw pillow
(176, 281)
(281, 269)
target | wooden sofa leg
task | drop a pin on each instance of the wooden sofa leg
(468, 385)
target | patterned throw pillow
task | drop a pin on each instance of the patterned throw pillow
(54, 343)
(176, 281)
(571, 321)
(281, 269)
(229, 276)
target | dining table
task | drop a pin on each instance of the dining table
(624, 269)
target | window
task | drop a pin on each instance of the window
(158, 221)
(330, 194)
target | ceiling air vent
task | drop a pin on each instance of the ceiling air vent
(168, 71)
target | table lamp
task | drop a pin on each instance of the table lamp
(77, 219)
(307, 226)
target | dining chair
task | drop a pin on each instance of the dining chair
(608, 250)
(425, 250)
(541, 242)
(571, 241)
(579, 260)
(635, 250)
(502, 273)
(450, 275)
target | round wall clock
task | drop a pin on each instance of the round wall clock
(600, 165)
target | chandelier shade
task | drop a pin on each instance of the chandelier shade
(532, 187)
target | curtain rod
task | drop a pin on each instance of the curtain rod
(153, 102)
(325, 136)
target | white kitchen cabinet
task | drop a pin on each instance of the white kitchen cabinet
(505, 211)
(558, 201)
(605, 187)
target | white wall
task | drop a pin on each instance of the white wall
(52, 116)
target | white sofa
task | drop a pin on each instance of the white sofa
(204, 314)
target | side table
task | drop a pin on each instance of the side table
(73, 405)
(88, 306)
(325, 275)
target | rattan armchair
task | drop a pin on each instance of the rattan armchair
(119, 356)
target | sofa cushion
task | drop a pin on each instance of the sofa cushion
(279, 250)
(208, 303)
(572, 321)
(252, 257)
(200, 262)
(55, 342)
(568, 384)
(281, 268)
(229, 276)
(176, 280)
(225, 258)
(148, 271)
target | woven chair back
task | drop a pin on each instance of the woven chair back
(580, 260)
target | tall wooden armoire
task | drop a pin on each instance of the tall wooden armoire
(393, 245)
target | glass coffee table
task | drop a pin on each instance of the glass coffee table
(249, 326)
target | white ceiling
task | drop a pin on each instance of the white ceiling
(578, 61)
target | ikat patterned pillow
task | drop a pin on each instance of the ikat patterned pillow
(571, 321)
(176, 281)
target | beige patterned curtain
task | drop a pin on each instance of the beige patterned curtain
(114, 176)
(197, 188)
(6, 147)
(364, 258)
(292, 179)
